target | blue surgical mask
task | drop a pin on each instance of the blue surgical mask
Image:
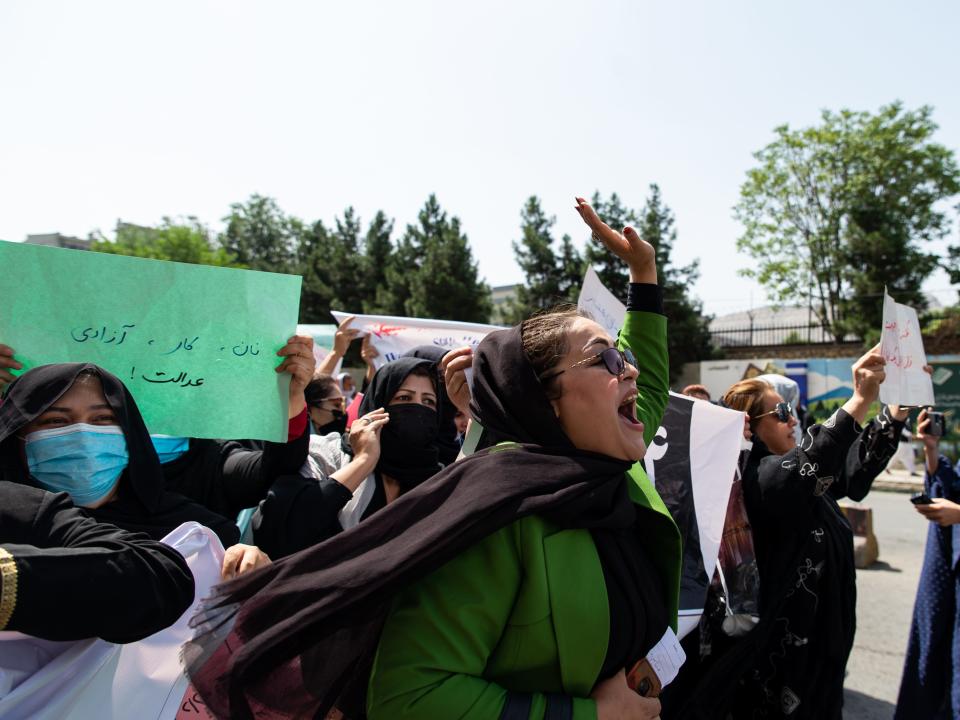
(83, 460)
(169, 448)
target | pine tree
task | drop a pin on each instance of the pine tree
(535, 256)
(316, 295)
(346, 263)
(688, 336)
(444, 284)
(571, 267)
(378, 250)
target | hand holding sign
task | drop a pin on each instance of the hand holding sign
(345, 335)
(7, 363)
(455, 365)
(300, 362)
(638, 254)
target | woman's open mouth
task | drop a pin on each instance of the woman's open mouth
(627, 410)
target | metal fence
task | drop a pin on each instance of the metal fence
(752, 334)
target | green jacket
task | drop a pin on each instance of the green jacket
(525, 609)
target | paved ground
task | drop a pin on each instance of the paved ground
(885, 596)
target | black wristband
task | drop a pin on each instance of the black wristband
(645, 297)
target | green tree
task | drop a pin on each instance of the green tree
(571, 267)
(951, 263)
(835, 212)
(688, 339)
(612, 272)
(346, 262)
(186, 241)
(261, 236)
(434, 266)
(313, 262)
(535, 256)
(378, 249)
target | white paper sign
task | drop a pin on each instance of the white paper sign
(98, 679)
(666, 658)
(902, 346)
(601, 304)
(394, 336)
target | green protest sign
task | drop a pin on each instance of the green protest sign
(195, 345)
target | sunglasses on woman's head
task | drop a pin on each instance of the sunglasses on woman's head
(783, 411)
(614, 360)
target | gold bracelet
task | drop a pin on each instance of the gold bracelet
(8, 587)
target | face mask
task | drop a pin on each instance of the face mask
(169, 448)
(337, 425)
(409, 452)
(83, 460)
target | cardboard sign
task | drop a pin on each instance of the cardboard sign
(195, 345)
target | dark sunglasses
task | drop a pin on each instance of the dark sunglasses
(338, 402)
(783, 411)
(614, 360)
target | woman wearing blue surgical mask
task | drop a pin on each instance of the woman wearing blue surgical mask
(225, 476)
(75, 428)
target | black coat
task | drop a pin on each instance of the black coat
(78, 578)
(226, 476)
(792, 664)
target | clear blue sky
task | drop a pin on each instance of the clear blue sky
(135, 111)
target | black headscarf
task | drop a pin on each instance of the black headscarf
(449, 447)
(142, 503)
(409, 452)
(298, 636)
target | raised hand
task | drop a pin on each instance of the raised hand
(639, 255)
(868, 373)
(454, 366)
(344, 336)
(299, 361)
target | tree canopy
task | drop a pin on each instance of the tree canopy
(834, 212)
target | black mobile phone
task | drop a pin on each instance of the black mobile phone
(938, 424)
(921, 499)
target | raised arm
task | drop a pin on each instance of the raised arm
(644, 331)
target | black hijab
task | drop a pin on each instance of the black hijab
(409, 450)
(297, 637)
(142, 503)
(447, 441)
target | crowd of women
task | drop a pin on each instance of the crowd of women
(387, 574)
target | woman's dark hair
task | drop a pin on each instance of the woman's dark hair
(747, 396)
(319, 389)
(544, 337)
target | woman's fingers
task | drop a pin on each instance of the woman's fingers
(7, 363)
(610, 238)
